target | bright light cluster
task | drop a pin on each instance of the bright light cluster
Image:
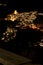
(25, 16)
(9, 34)
(23, 20)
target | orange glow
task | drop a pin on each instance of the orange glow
(33, 26)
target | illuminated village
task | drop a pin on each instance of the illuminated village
(23, 21)
(21, 33)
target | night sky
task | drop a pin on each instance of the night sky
(21, 5)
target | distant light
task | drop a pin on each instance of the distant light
(5, 18)
(3, 4)
(7, 34)
(0, 4)
(41, 44)
(3, 33)
(15, 12)
(3, 38)
(40, 14)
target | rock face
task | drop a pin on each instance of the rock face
(8, 58)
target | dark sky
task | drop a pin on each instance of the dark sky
(26, 4)
(22, 5)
